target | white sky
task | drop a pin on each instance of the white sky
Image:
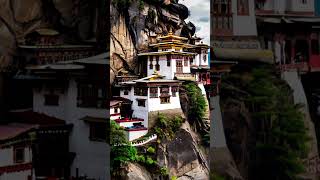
(200, 17)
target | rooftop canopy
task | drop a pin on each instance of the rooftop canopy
(171, 37)
(155, 78)
(167, 52)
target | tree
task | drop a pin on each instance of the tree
(280, 136)
(121, 151)
(117, 134)
(197, 107)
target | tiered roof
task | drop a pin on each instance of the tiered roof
(170, 41)
(155, 78)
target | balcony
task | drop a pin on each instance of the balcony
(120, 79)
(185, 76)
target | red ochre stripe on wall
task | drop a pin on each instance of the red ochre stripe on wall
(16, 168)
(115, 114)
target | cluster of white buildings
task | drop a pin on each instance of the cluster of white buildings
(170, 61)
(62, 135)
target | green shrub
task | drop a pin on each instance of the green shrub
(151, 150)
(121, 155)
(164, 171)
(174, 178)
(150, 161)
(140, 159)
(197, 102)
(281, 140)
(141, 5)
(166, 127)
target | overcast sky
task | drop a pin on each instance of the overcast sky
(200, 17)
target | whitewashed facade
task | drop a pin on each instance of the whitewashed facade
(21, 170)
(287, 7)
(86, 149)
(152, 103)
(115, 113)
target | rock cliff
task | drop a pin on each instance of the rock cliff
(132, 26)
(76, 20)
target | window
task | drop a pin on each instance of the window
(164, 90)
(179, 67)
(141, 102)
(51, 100)
(157, 64)
(315, 47)
(174, 90)
(151, 62)
(185, 61)
(141, 91)
(191, 60)
(165, 100)
(153, 92)
(115, 110)
(18, 155)
(222, 19)
(216, 8)
(204, 58)
(168, 60)
(98, 131)
(243, 7)
(224, 8)
(126, 91)
(304, 1)
(91, 95)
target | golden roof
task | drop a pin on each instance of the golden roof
(171, 37)
(173, 43)
(166, 52)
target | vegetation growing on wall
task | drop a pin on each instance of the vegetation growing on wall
(279, 134)
(166, 127)
(197, 105)
(197, 108)
(120, 153)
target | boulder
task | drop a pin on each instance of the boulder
(182, 156)
(26, 10)
(137, 172)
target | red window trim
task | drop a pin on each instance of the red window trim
(16, 168)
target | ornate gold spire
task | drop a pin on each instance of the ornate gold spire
(170, 31)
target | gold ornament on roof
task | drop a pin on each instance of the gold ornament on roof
(170, 32)
(156, 75)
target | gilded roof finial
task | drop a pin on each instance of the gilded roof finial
(155, 72)
(156, 75)
(170, 31)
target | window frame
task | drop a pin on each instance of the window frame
(93, 126)
(91, 95)
(154, 93)
(245, 11)
(52, 101)
(143, 101)
(165, 102)
(23, 159)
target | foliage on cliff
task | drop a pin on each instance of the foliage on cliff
(166, 127)
(278, 134)
(120, 153)
(197, 106)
